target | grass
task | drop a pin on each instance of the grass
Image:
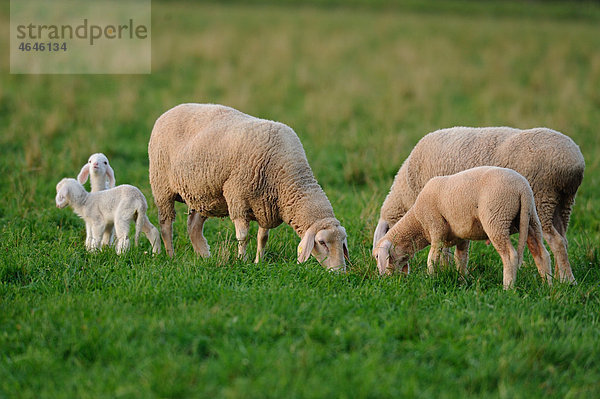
(360, 86)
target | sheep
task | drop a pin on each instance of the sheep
(475, 204)
(220, 161)
(101, 210)
(102, 177)
(549, 160)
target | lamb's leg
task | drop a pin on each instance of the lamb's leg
(461, 256)
(558, 245)
(122, 234)
(96, 236)
(541, 257)
(107, 235)
(241, 234)
(433, 257)
(510, 258)
(195, 225)
(152, 234)
(261, 239)
(88, 236)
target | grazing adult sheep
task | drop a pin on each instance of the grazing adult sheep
(102, 177)
(485, 202)
(220, 161)
(101, 210)
(549, 160)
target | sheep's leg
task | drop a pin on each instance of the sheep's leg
(433, 256)
(152, 234)
(88, 237)
(122, 233)
(241, 234)
(541, 257)
(558, 245)
(195, 225)
(166, 216)
(510, 258)
(461, 256)
(95, 241)
(107, 235)
(261, 239)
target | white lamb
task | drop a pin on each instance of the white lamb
(550, 161)
(481, 203)
(102, 177)
(220, 161)
(101, 210)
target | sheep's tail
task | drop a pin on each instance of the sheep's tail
(527, 208)
(382, 228)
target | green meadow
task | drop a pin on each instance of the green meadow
(360, 83)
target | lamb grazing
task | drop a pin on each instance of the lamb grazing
(549, 160)
(220, 161)
(101, 210)
(476, 204)
(102, 177)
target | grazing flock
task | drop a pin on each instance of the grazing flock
(457, 185)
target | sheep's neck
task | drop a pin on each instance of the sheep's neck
(304, 205)
(79, 203)
(409, 230)
(97, 183)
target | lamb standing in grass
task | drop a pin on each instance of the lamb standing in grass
(118, 206)
(222, 162)
(102, 177)
(476, 204)
(550, 161)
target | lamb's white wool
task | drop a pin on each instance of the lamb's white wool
(102, 177)
(222, 162)
(101, 210)
(476, 204)
(549, 160)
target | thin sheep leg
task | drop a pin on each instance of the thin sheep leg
(261, 239)
(241, 234)
(195, 225)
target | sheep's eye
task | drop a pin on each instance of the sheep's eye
(105, 162)
(323, 243)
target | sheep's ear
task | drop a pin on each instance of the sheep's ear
(306, 245)
(383, 257)
(382, 228)
(84, 173)
(345, 246)
(111, 176)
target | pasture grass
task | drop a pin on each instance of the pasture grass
(360, 86)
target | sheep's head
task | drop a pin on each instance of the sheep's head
(327, 242)
(391, 257)
(62, 193)
(98, 167)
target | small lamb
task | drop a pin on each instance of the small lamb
(102, 177)
(101, 210)
(476, 204)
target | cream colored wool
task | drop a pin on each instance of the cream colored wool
(549, 160)
(117, 206)
(220, 162)
(476, 204)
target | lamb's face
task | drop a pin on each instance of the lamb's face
(391, 257)
(62, 194)
(331, 248)
(98, 164)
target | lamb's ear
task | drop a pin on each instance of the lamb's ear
(84, 173)
(383, 257)
(306, 245)
(345, 246)
(111, 176)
